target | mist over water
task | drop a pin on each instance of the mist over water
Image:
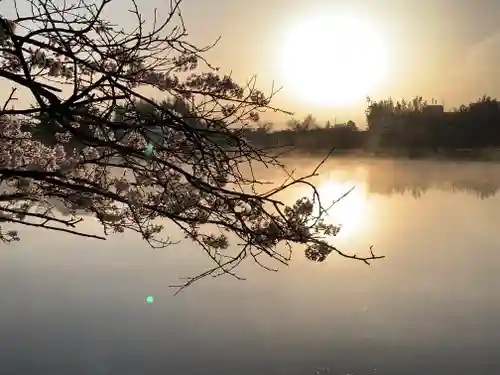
(78, 306)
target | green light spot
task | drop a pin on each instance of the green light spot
(149, 149)
(149, 299)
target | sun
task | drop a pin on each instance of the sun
(332, 60)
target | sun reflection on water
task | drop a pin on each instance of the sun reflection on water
(350, 210)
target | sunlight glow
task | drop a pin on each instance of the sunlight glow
(350, 211)
(332, 60)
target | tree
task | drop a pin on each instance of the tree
(294, 125)
(85, 77)
(308, 123)
(351, 125)
(266, 127)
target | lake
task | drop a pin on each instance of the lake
(78, 306)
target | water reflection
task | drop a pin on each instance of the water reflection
(73, 306)
(418, 177)
(346, 202)
(372, 178)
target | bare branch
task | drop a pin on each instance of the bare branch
(104, 149)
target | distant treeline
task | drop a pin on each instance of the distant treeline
(414, 127)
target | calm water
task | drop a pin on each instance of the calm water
(72, 306)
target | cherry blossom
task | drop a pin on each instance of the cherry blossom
(81, 150)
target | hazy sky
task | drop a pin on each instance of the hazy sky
(446, 50)
(449, 50)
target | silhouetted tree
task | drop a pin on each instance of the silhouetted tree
(351, 125)
(412, 127)
(265, 127)
(409, 125)
(308, 123)
(189, 173)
